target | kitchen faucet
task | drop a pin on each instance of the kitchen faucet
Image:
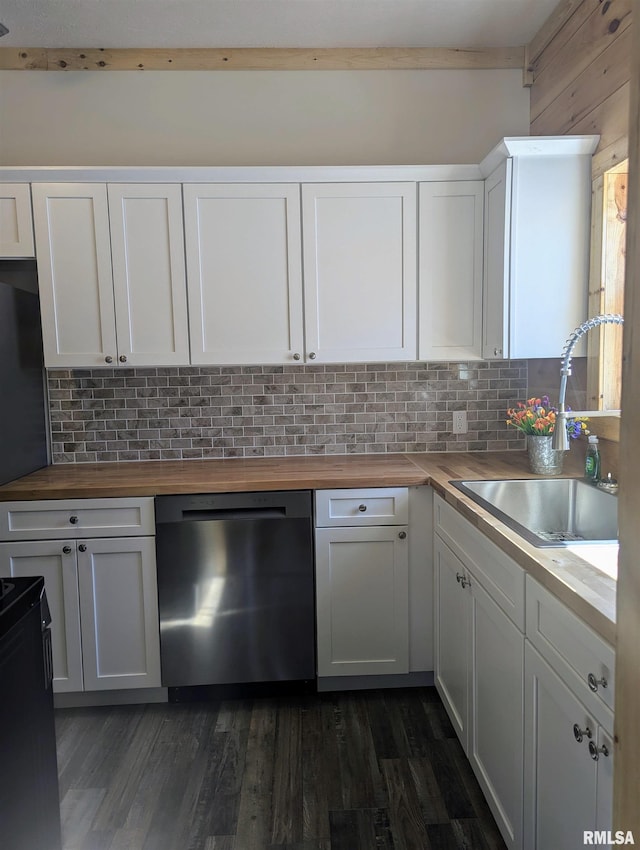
(560, 437)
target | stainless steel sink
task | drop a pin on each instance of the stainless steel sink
(549, 511)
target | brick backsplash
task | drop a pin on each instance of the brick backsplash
(249, 411)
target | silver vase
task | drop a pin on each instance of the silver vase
(543, 459)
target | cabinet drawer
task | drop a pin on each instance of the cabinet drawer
(501, 577)
(379, 506)
(65, 518)
(571, 647)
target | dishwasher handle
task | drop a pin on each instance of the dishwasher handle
(199, 507)
(213, 515)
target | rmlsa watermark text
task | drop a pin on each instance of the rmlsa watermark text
(603, 836)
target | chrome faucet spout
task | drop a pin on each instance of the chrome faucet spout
(560, 436)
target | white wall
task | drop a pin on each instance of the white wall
(257, 118)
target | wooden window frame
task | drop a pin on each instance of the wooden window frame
(606, 294)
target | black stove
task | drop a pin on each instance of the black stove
(17, 597)
(29, 808)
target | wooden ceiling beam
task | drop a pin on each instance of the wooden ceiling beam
(259, 59)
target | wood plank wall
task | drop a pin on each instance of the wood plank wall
(581, 66)
(626, 811)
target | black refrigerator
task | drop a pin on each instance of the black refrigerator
(23, 414)
(29, 807)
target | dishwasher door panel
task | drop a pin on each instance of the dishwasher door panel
(236, 601)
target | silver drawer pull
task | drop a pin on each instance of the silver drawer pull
(596, 752)
(594, 683)
(362, 508)
(66, 550)
(73, 520)
(402, 535)
(82, 547)
(462, 579)
(579, 733)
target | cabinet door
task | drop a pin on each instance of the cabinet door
(56, 561)
(244, 273)
(497, 677)
(450, 270)
(497, 220)
(150, 291)
(560, 776)
(74, 272)
(119, 605)
(362, 598)
(452, 638)
(549, 253)
(16, 230)
(360, 271)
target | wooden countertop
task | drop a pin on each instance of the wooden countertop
(154, 478)
(583, 588)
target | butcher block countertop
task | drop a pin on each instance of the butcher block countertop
(585, 589)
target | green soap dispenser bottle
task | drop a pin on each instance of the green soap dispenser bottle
(592, 461)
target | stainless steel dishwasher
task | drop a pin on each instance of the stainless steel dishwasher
(236, 588)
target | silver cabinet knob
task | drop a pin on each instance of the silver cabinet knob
(579, 733)
(66, 550)
(497, 352)
(596, 752)
(123, 358)
(296, 356)
(362, 508)
(312, 355)
(108, 359)
(595, 683)
(402, 535)
(82, 547)
(73, 520)
(463, 580)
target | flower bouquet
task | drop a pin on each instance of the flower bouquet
(537, 418)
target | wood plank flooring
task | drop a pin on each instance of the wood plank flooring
(364, 770)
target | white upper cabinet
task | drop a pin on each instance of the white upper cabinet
(450, 270)
(94, 314)
(149, 286)
(359, 249)
(537, 231)
(244, 271)
(16, 229)
(74, 273)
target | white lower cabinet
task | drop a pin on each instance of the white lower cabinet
(533, 711)
(569, 682)
(452, 635)
(119, 613)
(495, 728)
(362, 594)
(568, 763)
(479, 659)
(362, 581)
(101, 591)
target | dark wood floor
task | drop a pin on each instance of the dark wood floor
(367, 770)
